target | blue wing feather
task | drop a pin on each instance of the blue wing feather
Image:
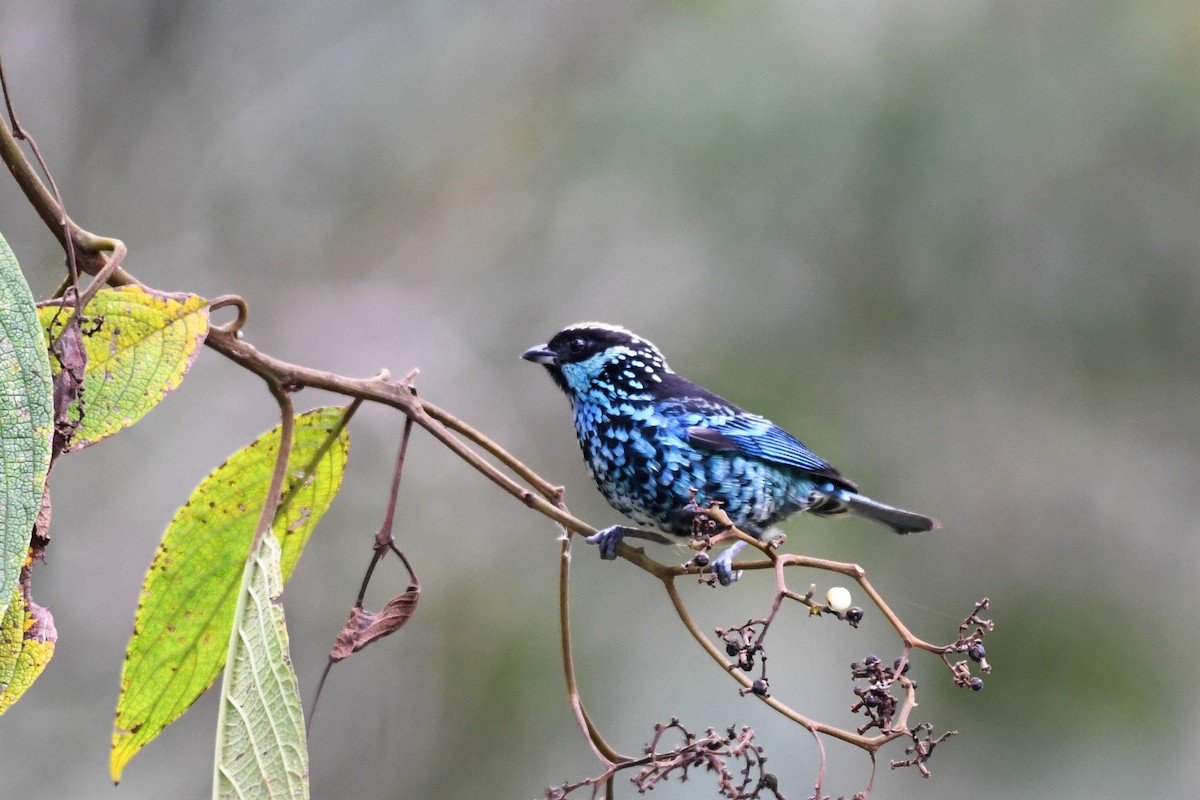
(760, 438)
(711, 422)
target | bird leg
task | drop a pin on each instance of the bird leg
(608, 539)
(722, 565)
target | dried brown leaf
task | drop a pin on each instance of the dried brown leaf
(68, 348)
(365, 626)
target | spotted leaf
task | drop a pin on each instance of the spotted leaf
(27, 637)
(139, 344)
(181, 630)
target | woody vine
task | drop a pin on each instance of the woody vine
(288, 477)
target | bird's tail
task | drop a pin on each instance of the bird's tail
(830, 500)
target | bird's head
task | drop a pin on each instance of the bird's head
(594, 357)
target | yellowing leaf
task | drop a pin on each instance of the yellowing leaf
(27, 637)
(261, 748)
(26, 419)
(140, 343)
(181, 631)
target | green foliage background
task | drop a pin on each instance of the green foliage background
(953, 246)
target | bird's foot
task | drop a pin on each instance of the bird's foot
(722, 565)
(607, 540)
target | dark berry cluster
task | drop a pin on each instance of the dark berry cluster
(743, 645)
(701, 525)
(962, 669)
(733, 758)
(736, 760)
(971, 643)
(875, 698)
(702, 530)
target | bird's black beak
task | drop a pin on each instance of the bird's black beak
(541, 354)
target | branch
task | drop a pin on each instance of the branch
(603, 751)
(868, 743)
(96, 256)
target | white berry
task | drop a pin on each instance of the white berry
(838, 598)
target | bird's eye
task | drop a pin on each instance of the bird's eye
(576, 345)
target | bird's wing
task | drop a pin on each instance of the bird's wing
(710, 422)
(755, 437)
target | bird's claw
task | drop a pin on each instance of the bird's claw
(607, 540)
(722, 565)
(724, 571)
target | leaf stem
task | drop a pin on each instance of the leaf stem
(266, 517)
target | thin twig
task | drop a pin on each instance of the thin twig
(603, 751)
(21, 133)
(384, 541)
(821, 764)
(869, 743)
(547, 489)
(384, 537)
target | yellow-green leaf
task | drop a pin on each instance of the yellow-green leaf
(261, 751)
(181, 631)
(140, 343)
(26, 419)
(27, 637)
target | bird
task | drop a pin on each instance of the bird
(659, 446)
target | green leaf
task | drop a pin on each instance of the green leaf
(181, 631)
(26, 419)
(140, 343)
(27, 637)
(261, 748)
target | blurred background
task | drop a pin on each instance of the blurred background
(952, 246)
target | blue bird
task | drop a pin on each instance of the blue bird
(650, 437)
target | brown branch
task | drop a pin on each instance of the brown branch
(21, 133)
(544, 487)
(96, 253)
(88, 249)
(287, 415)
(365, 627)
(868, 743)
(778, 561)
(603, 751)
